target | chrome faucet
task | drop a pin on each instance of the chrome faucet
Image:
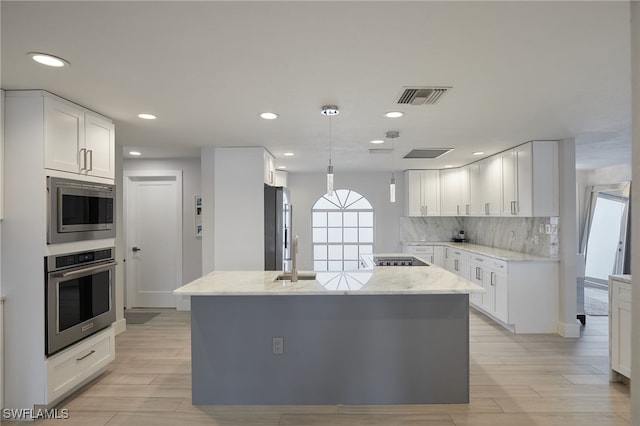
(294, 256)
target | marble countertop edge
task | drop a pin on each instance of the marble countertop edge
(496, 253)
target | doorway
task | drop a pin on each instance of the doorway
(605, 243)
(153, 236)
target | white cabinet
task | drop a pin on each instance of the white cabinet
(422, 192)
(269, 169)
(424, 252)
(72, 367)
(457, 261)
(620, 326)
(491, 274)
(476, 203)
(521, 295)
(100, 146)
(451, 192)
(530, 180)
(438, 256)
(76, 140)
(491, 185)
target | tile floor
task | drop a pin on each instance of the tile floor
(522, 380)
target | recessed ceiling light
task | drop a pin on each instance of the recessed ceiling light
(269, 115)
(478, 153)
(145, 116)
(134, 153)
(394, 114)
(448, 166)
(282, 167)
(377, 141)
(289, 154)
(48, 60)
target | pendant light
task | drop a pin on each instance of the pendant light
(392, 186)
(329, 111)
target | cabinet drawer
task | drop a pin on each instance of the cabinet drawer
(454, 253)
(420, 249)
(71, 367)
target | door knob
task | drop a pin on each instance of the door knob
(136, 249)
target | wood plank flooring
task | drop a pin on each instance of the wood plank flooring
(541, 380)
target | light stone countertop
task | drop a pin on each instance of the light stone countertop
(391, 280)
(497, 253)
(626, 278)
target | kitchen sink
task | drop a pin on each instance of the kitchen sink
(286, 276)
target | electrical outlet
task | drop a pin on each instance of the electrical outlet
(278, 345)
(547, 229)
(536, 240)
(554, 229)
(541, 229)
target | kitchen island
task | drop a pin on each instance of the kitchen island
(388, 335)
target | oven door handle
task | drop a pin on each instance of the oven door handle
(83, 271)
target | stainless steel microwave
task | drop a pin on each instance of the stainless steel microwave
(79, 210)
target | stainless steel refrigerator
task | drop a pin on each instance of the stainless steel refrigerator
(277, 228)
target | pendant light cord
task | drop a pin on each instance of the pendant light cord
(330, 139)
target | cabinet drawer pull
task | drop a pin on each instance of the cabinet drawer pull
(486, 209)
(493, 278)
(90, 151)
(83, 154)
(86, 356)
(479, 260)
(455, 264)
(458, 210)
(467, 208)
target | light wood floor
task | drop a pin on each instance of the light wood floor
(515, 380)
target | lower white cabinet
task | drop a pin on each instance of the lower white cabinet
(433, 254)
(457, 261)
(620, 326)
(491, 274)
(78, 364)
(521, 295)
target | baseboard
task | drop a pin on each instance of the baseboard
(569, 329)
(120, 326)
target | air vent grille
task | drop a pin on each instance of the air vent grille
(421, 95)
(427, 152)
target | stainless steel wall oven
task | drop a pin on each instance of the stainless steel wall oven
(79, 210)
(80, 296)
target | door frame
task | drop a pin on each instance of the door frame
(129, 178)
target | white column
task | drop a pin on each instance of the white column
(568, 231)
(207, 190)
(635, 212)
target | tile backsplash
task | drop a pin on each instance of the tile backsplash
(520, 234)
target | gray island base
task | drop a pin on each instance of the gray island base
(338, 349)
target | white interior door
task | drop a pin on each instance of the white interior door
(154, 240)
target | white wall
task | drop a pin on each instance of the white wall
(306, 188)
(608, 175)
(238, 209)
(191, 246)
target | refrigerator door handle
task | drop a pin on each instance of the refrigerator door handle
(286, 231)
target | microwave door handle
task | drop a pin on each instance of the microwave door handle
(84, 270)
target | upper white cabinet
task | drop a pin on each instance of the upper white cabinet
(451, 192)
(99, 146)
(476, 204)
(76, 140)
(522, 181)
(422, 192)
(269, 169)
(530, 179)
(491, 186)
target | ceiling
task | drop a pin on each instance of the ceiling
(519, 71)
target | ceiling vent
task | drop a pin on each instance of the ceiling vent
(421, 95)
(427, 152)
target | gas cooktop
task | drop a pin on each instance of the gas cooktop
(397, 261)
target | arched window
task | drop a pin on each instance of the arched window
(342, 231)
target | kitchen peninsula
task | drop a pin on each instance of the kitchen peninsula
(401, 335)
